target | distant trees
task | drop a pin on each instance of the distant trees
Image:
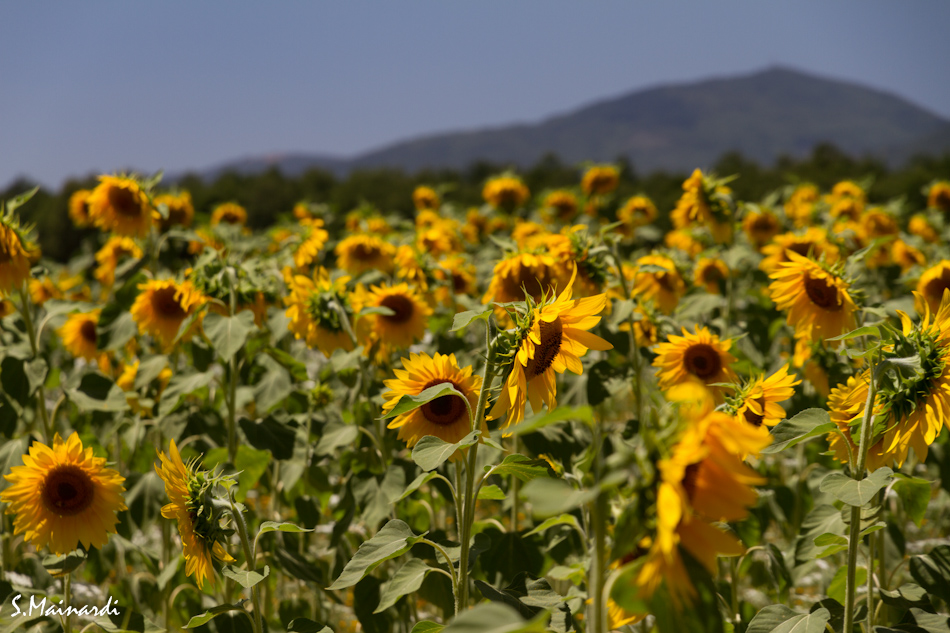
(270, 193)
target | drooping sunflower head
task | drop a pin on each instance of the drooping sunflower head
(574, 248)
(179, 210)
(701, 358)
(79, 208)
(116, 249)
(559, 205)
(554, 335)
(505, 192)
(599, 180)
(229, 213)
(313, 309)
(758, 402)
(63, 496)
(79, 334)
(846, 407)
(162, 306)
(931, 286)
(817, 299)
(401, 321)
(711, 274)
(314, 239)
(120, 205)
(16, 253)
(358, 253)
(657, 280)
(425, 198)
(938, 196)
(445, 417)
(200, 524)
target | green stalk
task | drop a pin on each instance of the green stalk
(515, 487)
(249, 554)
(34, 346)
(67, 595)
(468, 501)
(632, 336)
(855, 528)
(598, 575)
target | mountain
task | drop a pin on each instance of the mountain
(678, 127)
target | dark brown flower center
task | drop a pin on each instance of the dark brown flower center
(67, 490)
(690, 475)
(801, 248)
(401, 306)
(446, 410)
(546, 351)
(166, 305)
(458, 283)
(752, 418)
(365, 251)
(88, 331)
(934, 288)
(702, 360)
(124, 203)
(823, 293)
(711, 274)
(527, 280)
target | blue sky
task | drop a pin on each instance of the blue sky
(103, 86)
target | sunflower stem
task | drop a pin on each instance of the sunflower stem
(858, 474)
(598, 556)
(249, 554)
(634, 352)
(515, 487)
(27, 313)
(468, 503)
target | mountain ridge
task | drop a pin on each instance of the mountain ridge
(673, 126)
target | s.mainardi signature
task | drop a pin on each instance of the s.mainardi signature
(40, 607)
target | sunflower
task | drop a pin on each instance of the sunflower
(506, 192)
(800, 205)
(818, 303)
(637, 211)
(683, 240)
(199, 524)
(358, 253)
(599, 180)
(459, 275)
(846, 407)
(846, 200)
(15, 253)
(312, 312)
(645, 331)
(938, 196)
(931, 286)
(703, 481)
(760, 227)
(559, 205)
(404, 323)
(554, 342)
(79, 208)
(663, 287)
(521, 275)
(704, 203)
(44, 288)
(315, 239)
(79, 334)
(906, 256)
(439, 238)
(921, 226)
(63, 496)
(229, 213)
(6, 307)
(757, 403)
(120, 205)
(710, 274)
(114, 250)
(528, 235)
(162, 307)
(425, 198)
(813, 242)
(699, 358)
(181, 211)
(445, 417)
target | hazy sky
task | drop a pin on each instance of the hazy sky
(103, 86)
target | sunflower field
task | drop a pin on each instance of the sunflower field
(543, 413)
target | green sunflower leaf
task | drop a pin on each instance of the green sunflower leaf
(394, 539)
